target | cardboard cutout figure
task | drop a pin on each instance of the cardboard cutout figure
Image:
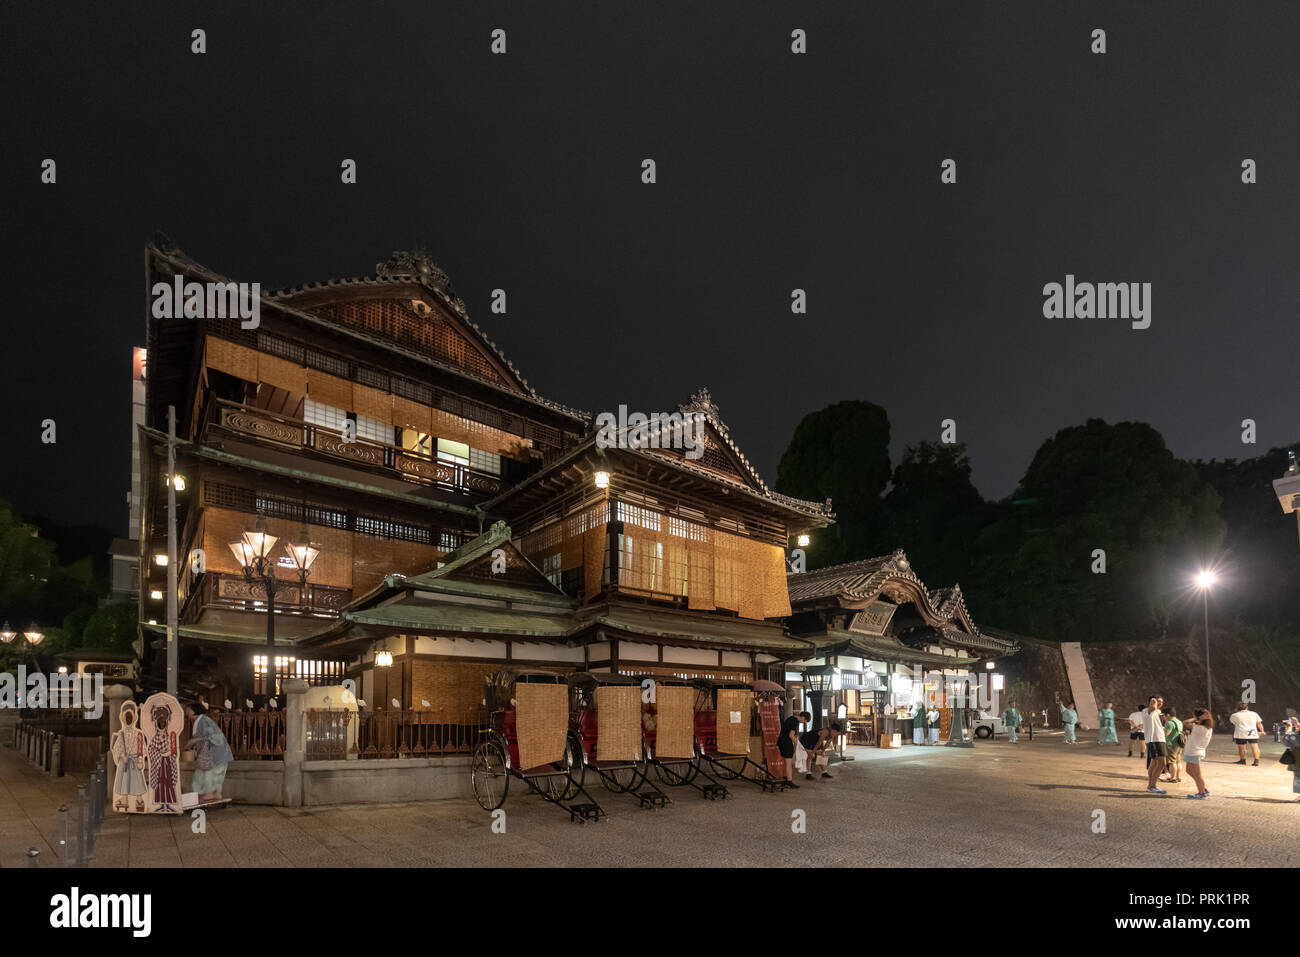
(128, 749)
(162, 719)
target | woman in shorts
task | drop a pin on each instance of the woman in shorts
(1197, 741)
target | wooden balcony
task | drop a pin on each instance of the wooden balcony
(228, 592)
(273, 429)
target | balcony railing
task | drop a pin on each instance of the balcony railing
(281, 430)
(230, 592)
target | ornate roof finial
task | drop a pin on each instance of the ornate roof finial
(701, 401)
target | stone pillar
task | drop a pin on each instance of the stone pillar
(114, 696)
(295, 739)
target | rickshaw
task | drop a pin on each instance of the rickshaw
(608, 705)
(496, 759)
(735, 699)
(671, 748)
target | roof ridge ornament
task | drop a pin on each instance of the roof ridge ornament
(702, 401)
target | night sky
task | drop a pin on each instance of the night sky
(775, 171)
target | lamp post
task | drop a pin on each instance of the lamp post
(254, 552)
(1205, 581)
(32, 637)
(817, 681)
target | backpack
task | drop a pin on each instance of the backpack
(1176, 739)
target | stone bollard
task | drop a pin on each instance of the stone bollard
(114, 696)
(295, 740)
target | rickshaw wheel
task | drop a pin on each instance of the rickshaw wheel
(685, 771)
(728, 766)
(576, 766)
(622, 779)
(489, 775)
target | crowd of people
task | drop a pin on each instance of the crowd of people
(1169, 744)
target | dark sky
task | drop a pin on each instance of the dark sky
(776, 171)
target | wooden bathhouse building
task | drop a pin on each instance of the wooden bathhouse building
(450, 519)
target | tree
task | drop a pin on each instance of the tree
(1112, 488)
(933, 511)
(26, 561)
(842, 453)
(111, 628)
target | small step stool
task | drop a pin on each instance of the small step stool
(714, 791)
(585, 812)
(652, 799)
(773, 784)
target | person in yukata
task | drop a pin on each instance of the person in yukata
(211, 754)
(1011, 718)
(162, 761)
(1069, 718)
(1106, 725)
(932, 722)
(918, 724)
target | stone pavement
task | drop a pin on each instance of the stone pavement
(1001, 804)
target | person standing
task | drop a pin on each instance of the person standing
(212, 754)
(1135, 732)
(1246, 726)
(1106, 725)
(1200, 730)
(1011, 718)
(1069, 718)
(1153, 729)
(1173, 747)
(786, 742)
(932, 723)
(918, 724)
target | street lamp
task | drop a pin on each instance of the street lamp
(1205, 581)
(31, 636)
(254, 553)
(818, 681)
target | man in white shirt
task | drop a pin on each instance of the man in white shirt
(1153, 729)
(1246, 726)
(1135, 733)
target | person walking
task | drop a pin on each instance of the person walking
(1135, 732)
(1106, 725)
(1011, 718)
(1069, 718)
(1246, 726)
(1154, 729)
(1200, 730)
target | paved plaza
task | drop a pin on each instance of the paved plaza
(999, 804)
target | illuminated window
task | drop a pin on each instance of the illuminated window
(450, 451)
(421, 443)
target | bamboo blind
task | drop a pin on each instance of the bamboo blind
(282, 374)
(593, 559)
(541, 723)
(734, 705)
(618, 727)
(454, 689)
(373, 403)
(711, 568)
(330, 390)
(675, 721)
(232, 359)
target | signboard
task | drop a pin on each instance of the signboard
(874, 619)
